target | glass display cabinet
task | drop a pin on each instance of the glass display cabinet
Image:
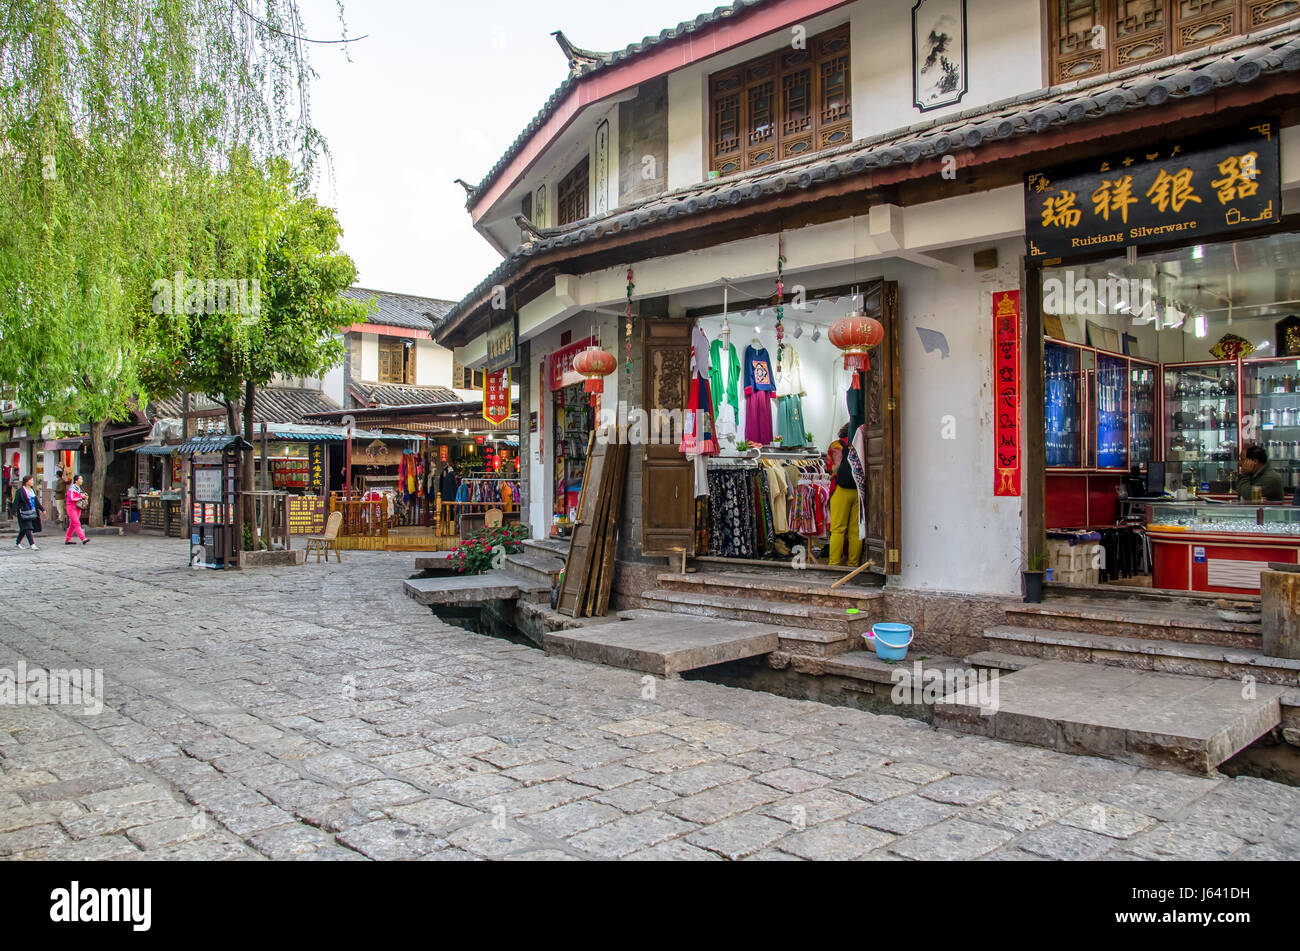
(1270, 403)
(1217, 547)
(1108, 422)
(1064, 389)
(1142, 412)
(1200, 423)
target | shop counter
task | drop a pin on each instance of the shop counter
(1203, 546)
(161, 513)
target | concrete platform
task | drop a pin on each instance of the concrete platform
(468, 589)
(1146, 718)
(662, 643)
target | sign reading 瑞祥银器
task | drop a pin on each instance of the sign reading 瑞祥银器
(1180, 189)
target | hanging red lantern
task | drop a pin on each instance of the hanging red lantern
(595, 364)
(855, 335)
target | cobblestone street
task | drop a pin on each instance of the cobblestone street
(318, 713)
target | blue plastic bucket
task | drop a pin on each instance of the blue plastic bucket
(891, 640)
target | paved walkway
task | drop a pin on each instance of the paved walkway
(318, 713)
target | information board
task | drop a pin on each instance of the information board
(306, 515)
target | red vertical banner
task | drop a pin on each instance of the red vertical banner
(1006, 388)
(442, 453)
(496, 396)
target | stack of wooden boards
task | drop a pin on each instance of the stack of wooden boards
(589, 570)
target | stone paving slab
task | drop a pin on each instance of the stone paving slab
(663, 644)
(327, 717)
(1134, 716)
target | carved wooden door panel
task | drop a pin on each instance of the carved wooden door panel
(667, 478)
(881, 436)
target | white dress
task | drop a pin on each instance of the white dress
(789, 379)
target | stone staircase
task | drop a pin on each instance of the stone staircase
(810, 618)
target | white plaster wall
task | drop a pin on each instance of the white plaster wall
(957, 535)
(687, 127)
(369, 358)
(1004, 58)
(432, 364)
(332, 384)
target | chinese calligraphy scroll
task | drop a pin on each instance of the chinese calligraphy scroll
(1006, 393)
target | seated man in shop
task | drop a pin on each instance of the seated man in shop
(1258, 473)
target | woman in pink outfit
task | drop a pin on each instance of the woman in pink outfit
(77, 500)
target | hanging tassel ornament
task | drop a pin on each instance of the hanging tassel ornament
(780, 297)
(630, 285)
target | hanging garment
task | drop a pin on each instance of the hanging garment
(857, 460)
(758, 418)
(702, 525)
(776, 491)
(789, 378)
(728, 395)
(697, 424)
(790, 422)
(731, 514)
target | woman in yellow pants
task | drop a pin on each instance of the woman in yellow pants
(844, 503)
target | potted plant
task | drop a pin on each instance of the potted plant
(1032, 575)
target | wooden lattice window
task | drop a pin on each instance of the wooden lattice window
(781, 105)
(1092, 37)
(396, 364)
(571, 195)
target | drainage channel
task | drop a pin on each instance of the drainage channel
(486, 619)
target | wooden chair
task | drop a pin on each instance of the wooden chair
(492, 518)
(329, 541)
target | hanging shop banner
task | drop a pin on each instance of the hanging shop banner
(496, 396)
(1006, 379)
(442, 453)
(562, 364)
(503, 344)
(316, 458)
(1180, 189)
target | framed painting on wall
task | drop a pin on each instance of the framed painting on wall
(938, 53)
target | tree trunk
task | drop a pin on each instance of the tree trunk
(100, 453)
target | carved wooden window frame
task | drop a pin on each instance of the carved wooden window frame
(781, 105)
(1102, 36)
(571, 194)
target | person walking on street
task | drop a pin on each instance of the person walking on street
(77, 503)
(27, 508)
(60, 497)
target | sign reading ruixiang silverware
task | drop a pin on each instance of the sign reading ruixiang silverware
(1186, 188)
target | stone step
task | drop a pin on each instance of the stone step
(800, 641)
(807, 590)
(995, 660)
(1198, 660)
(781, 614)
(663, 644)
(557, 547)
(474, 589)
(1141, 717)
(1056, 591)
(538, 567)
(1187, 623)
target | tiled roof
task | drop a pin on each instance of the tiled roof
(402, 310)
(273, 404)
(580, 70)
(400, 394)
(1234, 62)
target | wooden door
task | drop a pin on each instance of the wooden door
(881, 438)
(667, 478)
(578, 564)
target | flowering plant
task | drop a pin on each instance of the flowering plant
(484, 549)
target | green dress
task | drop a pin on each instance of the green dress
(733, 379)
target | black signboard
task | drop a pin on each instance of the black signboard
(503, 344)
(1184, 188)
(317, 466)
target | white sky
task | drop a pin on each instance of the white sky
(437, 92)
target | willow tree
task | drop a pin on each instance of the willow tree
(118, 121)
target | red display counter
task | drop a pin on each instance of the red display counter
(1220, 549)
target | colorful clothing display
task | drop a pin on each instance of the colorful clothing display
(751, 508)
(728, 394)
(760, 385)
(697, 425)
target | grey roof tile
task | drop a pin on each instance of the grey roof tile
(1147, 86)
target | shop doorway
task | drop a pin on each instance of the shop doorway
(764, 496)
(1171, 416)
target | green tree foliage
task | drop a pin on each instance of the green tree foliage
(120, 126)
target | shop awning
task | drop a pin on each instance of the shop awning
(150, 449)
(204, 444)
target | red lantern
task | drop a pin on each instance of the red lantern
(595, 364)
(855, 335)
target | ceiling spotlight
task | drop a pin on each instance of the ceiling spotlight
(816, 334)
(798, 331)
